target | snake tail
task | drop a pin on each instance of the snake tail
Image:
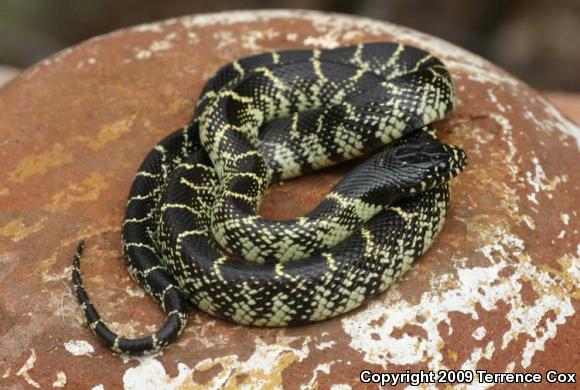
(172, 302)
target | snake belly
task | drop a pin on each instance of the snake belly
(192, 233)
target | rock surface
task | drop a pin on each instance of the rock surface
(498, 291)
(7, 73)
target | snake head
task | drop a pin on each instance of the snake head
(426, 165)
(402, 171)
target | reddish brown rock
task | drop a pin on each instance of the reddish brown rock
(498, 291)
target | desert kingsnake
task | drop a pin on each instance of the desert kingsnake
(270, 117)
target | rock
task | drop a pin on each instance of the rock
(6, 74)
(498, 291)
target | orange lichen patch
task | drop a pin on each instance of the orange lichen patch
(205, 371)
(88, 190)
(176, 106)
(110, 132)
(569, 266)
(4, 191)
(452, 355)
(107, 224)
(17, 230)
(40, 163)
(271, 377)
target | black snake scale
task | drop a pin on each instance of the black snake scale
(270, 117)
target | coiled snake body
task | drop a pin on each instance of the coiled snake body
(271, 117)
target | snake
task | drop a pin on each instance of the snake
(193, 235)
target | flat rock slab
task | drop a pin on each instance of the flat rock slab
(498, 291)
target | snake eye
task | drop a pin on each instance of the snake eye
(423, 156)
(443, 166)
